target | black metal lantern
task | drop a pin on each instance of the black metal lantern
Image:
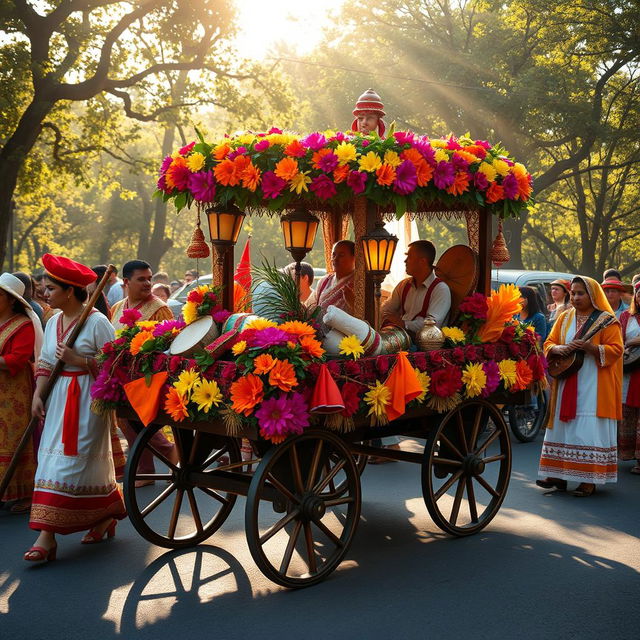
(299, 230)
(225, 224)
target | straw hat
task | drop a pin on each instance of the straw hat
(14, 287)
(565, 284)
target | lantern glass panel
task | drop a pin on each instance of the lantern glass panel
(225, 227)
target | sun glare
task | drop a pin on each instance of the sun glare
(296, 23)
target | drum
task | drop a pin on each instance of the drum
(237, 321)
(194, 337)
(340, 321)
(394, 339)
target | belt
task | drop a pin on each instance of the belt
(71, 413)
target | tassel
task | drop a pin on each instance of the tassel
(442, 405)
(198, 248)
(499, 253)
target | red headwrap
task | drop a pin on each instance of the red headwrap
(369, 102)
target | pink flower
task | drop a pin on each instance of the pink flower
(480, 181)
(268, 338)
(444, 174)
(323, 187)
(382, 364)
(483, 143)
(187, 148)
(328, 162)
(275, 130)
(510, 186)
(262, 145)
(282, 415)
(203, 186)
(492, 372)
(221, 316)
(406, 178)
(459, 163)
(272, 185)
(404, 137)
(129, 317)
(162, 183)
(452, 143)
(425, 148)
(167, 325)
(357, 180)
(365, 143)
(314, 141)
(166, 163)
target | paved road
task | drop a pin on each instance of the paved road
(549, 567)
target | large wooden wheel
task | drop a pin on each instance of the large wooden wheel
(195, 512)
(466, 468)
(298, 529)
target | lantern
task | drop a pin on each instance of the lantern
(299, 230)
(225, 224)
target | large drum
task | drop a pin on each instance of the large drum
(237, 321)
(194, 338)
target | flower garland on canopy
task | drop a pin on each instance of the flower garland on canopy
(277, 169)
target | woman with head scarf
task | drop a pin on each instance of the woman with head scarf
(629, 426)
(20, 342)
(75, 484)
(580, 441)
(560, 290)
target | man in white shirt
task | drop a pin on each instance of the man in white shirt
(419, 295)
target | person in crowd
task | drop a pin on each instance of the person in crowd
(614, 289)
(262, 290)
(101, 303)
(336, 288)
(20, 342)
(137, 278)
(161, 290)
(629, 426)
(190, 276)
(531, 313)
(25, 278)
(160, 277)
(306, 278)
(560, 293)
(75, 484)
(580, 441)
(114, 290)
(420, 295)
(175, 285)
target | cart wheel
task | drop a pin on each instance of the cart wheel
(466, 468)
(303, 546)
(195, 512)
(526, 421)
(338, 488)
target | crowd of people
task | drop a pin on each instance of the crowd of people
(67, 478)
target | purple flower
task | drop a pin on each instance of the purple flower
(167, 325)
(165, 164)
(425, 148)
(340, 137)
(323, 187)
(480, 181)
(507, 160)
(357, 180)
(404, 137)
(203, 186)
(162, 183)
(492, 372)
(365, 143)
(272, 185)
(187, 148)
(283, 415)
(452, 143)
(483, 143)
(221, 316)
(406, 178)
(268, 337)
(313, 141)
(328, 162)
(510, 186)
(262, 145)
(444, 174)
(240, 151)
(459, 163)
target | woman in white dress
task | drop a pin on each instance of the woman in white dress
(580, 441)
(75, 485)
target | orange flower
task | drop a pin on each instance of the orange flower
(251, 177)
(414, 155)
(340, 173)
(495, 192)
(317, 156)
(295, 148)
(524, 375)
(246, 393)
(175, 165)
(311, 346)
(385, 175)
(287, 168)
(524, 188)
(297, 328)
(221, 151)
(465, 155)
(460, 183)
(174, 405)
(226, 173)
(424, 173)
(263, 363)
(283, 375)
(138, 340)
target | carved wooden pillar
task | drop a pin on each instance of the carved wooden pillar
(222, 268)
(364, 220)
(484, 250)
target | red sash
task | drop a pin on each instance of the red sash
(427, 299)
(71, 413)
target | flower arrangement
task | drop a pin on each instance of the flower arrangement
(203, 301)
(276, 169)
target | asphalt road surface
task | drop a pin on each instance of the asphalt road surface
(550, 567)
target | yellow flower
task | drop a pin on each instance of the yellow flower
(378, 397)
(246, 138)
(259, 323)
(454, 334)
(488, 171)
(351, 346)
(206, 393)
(439, 144)
(474, 378)
(190, 312)
(392, 158)
(441, 156)
(346, 152)
(501, 167)
(186, 381)
(299, 182)
(519, 170)
(425, 381)
(145, 325)
(370, 162)
(195, 162)
(507, 370)
(239, 347)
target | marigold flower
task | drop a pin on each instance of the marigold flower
(283, 375)
(296, 149)
(508, 375)
(287, 168)
(441, 156)
(263, 363)
(174, 405)
(391, 158)
(239, 347)
(385, 175)
(524, 187)
(454, 334)
(370, 162)
(494, 193)
(488, 171)
(346, 153)
(138, 341)
(474, 379)
(465, 155)
(297, 328)
(340, 174)
(501, 167)
(246, 393)
(460, 183)
(226, 173)
(524, 375)
(424, 173)
(311, 347)
(251, 177)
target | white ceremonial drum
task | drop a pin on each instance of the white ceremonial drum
(331, 342)
(194, 337)
(347, 325)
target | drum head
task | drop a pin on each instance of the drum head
(458, 267)
(192, 336)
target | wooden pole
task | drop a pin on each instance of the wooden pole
(484, 251)
(53, 378)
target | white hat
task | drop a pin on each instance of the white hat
(14, 287)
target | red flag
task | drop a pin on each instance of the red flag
(243, 271)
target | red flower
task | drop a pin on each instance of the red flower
(490, 351)
(228, 373)
(445, 382)
(436, 358)
(334, 368)
(508, 334)
(195, 296)
(471, 353)
(350, 397)
(352, 368)
(382, 364)
(514, 349)
(475, 305)
(420, 360)
(174, 363)
(537, 364)
(458, 354)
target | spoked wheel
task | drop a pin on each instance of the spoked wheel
(337, 489)
(305, 543)
(466, 468)
(195, 512)
(527, 420)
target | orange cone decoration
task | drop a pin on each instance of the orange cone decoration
(145, 399)
(326, 396)
(404, 386)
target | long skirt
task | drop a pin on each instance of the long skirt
(629, 434)
(16, 393)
